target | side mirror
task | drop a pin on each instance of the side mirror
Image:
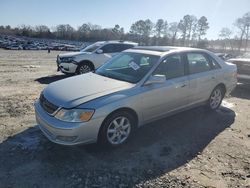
(99, 51)
(155, 79)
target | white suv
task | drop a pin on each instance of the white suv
(91, 57)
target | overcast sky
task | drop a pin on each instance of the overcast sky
(107, 13)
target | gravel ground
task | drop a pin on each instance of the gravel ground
(195, 148)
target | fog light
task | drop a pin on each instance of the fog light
(66, 138)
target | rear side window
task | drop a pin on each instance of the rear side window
(197, 62)
(114, 48)
(171, 67)
(214, 64)
(123, 47)
(109, 48)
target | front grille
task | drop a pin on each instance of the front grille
(47, 106)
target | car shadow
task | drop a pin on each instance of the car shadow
(241, 91)
(51, 78)
(155, 149)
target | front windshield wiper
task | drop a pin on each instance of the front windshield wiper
(115, 78)
(103, 74)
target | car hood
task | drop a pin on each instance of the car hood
(71, 54)
(76, 90)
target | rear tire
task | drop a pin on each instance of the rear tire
(116, 129)
(216, 98)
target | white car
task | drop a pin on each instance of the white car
(91, 57)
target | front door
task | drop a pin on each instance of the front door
(160, 99)
(109, 50)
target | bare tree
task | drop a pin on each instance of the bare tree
(225, 35)
(118, 31)
(26, 30)
(142, 29)
(173, 30)
(243, 25)
(64, 31)
(187, 26)
(183, 27)
(160, 28)
(192, 21)
(202, 27)
(84, 28)
(246, 18)
(42, 31)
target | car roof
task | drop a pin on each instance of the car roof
(161, 50)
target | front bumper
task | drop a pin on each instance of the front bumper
(65, 133)
(67, 67)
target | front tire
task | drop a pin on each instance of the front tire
(216, 98)
(117, 129)
(83, 68)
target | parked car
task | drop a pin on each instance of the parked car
(70, 48)
(243, 67)
(14, 47)
(224, 56)
(135, 87)
(30, 47)
(90, 57)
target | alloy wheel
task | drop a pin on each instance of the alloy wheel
(118, 130)
(216, 98)
(84, 69)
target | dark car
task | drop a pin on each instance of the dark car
(243, 68)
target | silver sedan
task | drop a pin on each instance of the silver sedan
(133, 88)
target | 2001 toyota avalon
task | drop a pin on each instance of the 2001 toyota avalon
(133, 88)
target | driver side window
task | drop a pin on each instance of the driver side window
(171, 67)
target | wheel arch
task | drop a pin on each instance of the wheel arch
(122, 109)
(87, 62)
(223, 86)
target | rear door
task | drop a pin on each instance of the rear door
(202, 76)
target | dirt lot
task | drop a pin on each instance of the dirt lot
(196, 148)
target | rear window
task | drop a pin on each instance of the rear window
(197, 62)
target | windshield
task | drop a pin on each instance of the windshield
(92, 47)
(127, 66)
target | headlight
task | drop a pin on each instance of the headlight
(67, 59)
(75, 115)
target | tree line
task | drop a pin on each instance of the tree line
(189, 31)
